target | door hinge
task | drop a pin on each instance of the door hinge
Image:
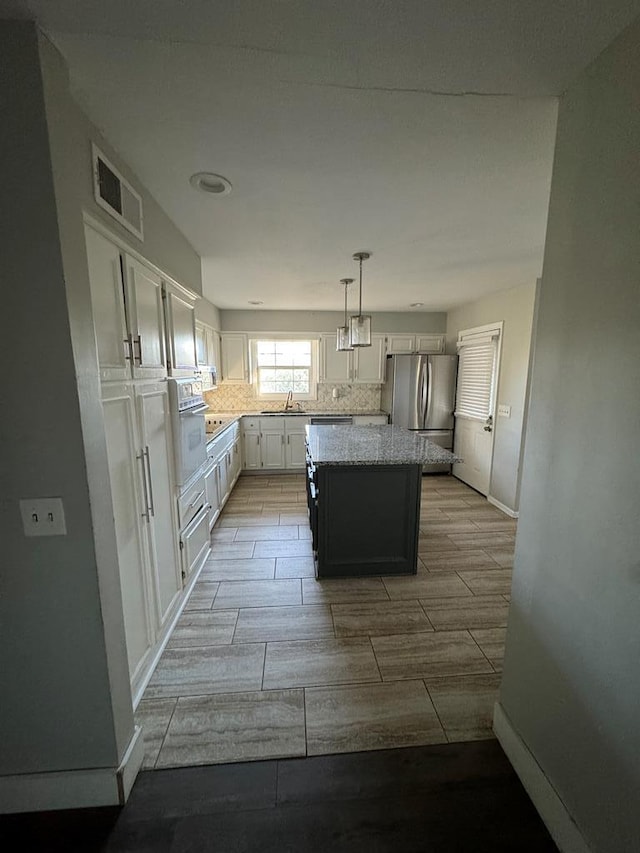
(181, 548)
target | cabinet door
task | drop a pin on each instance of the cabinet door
(334, 366)
(201, 344)
(234, 359)
(272, 443)
(181, 333)
(211, 493)
(430, 343)
(369, 361)
(153, 410)
(223, 479)
(125, 475)
(146, 320)
(107, 300)
(401, 344)
(237, 458)
(213, 348)
(251, 447)
(295, 451)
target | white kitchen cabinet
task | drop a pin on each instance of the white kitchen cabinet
(202, 352)
(146, 319)
(207, 346)
(272, 447)
(430, 344)
(107, 299)
(368, 363)
(335, 367)
(181, 331)
(211, 490)
(126, 479)
(252, 451)
(363, 365)
(155, 439)
(295, 456)
(406, 344)
(235, 361)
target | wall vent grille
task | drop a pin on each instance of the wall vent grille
(115, 194)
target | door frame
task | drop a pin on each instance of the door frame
(498, 327)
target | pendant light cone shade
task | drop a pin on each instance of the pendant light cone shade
(360, 324)
(343, 335)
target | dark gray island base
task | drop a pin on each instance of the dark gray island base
(363, 492)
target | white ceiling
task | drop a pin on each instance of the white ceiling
(419, 130)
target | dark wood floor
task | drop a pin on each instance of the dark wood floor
(454, 797)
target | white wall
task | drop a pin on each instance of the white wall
(571, 684)
(208, 313)
(328, 321)
(515, 308)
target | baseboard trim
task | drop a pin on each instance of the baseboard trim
(544, 797)
(73, 789)
(503, 507)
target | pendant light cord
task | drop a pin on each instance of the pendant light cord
(360, 297)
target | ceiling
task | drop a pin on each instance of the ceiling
(421, 131)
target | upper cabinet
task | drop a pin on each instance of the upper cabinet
(181, 330)
(144, 324)
(126, 298)
(207, 346)
(403, 344)
(363, 365)
(235, 361)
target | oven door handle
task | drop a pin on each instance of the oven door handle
(195, 411)
(198, 497)
(195, 521)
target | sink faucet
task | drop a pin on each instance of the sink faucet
(289, 404)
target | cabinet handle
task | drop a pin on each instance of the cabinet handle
(258, 438)
(282, 437)
(128, 342)
(144, 514)
(138, 342)
(145, 453)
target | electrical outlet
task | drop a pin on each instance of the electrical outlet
(43, 517)
(504, 411)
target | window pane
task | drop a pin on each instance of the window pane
(283, 353)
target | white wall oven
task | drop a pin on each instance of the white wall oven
(188, 427)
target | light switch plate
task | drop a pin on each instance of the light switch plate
(504, 411)
(43, 517)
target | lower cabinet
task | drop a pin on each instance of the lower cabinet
(274, 443)
(139, 452)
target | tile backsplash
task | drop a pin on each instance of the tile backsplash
(352, 398)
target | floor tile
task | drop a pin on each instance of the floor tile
(203, 628)
(268, 624)
(270, 531)
(235, 727)
(448, 527)
(304, 531)
(343, 590)
(259, 593)
(240, 570)
(452, 561)
(295, 567)
(407, 656)
(202, 596)
(502, 556)
(223, 534)
(491, 641)
(483, 539)
(371, 716)
(255, 519)
(230, 551)
(153, 715)
(306, 663)
(373, 618)
(433, 585)
(294, 518)
(465, 705)
(488, 581)
(472, 611)
(207, 669)
(286, 548)
(435, 544)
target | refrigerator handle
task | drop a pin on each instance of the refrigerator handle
(423, 393)
(428, 394)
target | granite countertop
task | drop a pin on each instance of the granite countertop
(220, 429)
(295, 413)
(375, 445)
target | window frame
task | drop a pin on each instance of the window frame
(313, 369)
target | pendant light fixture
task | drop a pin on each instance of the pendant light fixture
(343, 342)
(360, 324)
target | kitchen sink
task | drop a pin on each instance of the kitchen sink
(282, 412)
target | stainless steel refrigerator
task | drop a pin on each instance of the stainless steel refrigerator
(419, 394)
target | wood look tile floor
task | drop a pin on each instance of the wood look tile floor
(266, 662)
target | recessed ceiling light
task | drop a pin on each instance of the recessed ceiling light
(209, 182)
(416, 305)
(255, 302)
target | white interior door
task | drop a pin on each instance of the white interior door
(479, 351)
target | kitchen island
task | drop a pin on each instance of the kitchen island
(363, 493)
